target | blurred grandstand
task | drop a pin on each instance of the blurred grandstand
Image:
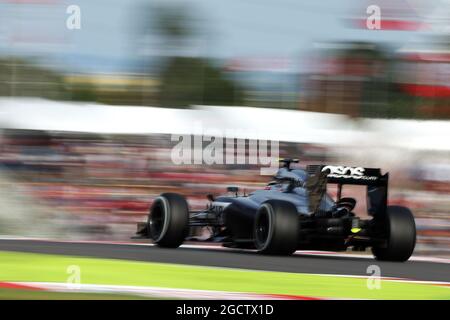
(97, 185)
(86, 116)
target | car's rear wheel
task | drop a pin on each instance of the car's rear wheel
(168, 220)
(400, 232)
(276, 228)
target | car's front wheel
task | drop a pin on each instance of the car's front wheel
(400, 232)
(276, 228)
(168, 220)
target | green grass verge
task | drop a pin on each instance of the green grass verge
(13, 294)
(15, 266)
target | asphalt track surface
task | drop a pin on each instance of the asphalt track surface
(202, 256)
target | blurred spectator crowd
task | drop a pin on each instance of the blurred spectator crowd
(100, 186)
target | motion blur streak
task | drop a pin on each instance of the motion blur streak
(86, 113)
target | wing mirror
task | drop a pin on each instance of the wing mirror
(234, 190)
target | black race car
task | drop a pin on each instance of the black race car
(294, 211)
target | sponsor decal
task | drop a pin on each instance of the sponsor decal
(347, 172)
(218, 207)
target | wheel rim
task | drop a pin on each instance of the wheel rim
(262, 228)
(157, 221)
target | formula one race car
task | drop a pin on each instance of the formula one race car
(294, 211)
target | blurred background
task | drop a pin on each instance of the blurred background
(86, 114)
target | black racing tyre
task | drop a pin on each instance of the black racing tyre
(276, 228)
(400, 234)
(168, 220)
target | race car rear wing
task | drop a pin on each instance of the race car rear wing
(376, 182)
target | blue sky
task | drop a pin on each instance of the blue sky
(232, 28)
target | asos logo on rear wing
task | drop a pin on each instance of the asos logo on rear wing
(342, 172)
(353, 172)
